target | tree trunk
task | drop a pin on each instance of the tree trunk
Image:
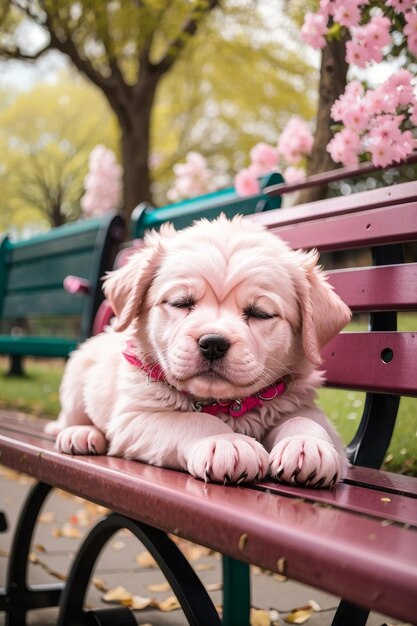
(332, 84)
(135, 124)
(56, 216)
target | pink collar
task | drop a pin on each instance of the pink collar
(235, 408)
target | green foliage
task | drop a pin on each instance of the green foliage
(237, 83)
(45, 138)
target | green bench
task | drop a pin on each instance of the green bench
(182, 214)
(38, 316)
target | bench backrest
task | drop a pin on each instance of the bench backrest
(227, 201)
(32, 272)
(380, 361)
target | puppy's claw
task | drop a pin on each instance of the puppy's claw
(92, 449)
(319, 483)
(207, 477)
(72, 448)
(279, 473)
(227, 480)
(311, 476)
(334, 480)
(243, 477)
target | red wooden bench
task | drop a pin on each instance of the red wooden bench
(357, 541)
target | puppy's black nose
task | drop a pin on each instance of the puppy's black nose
(213, 346)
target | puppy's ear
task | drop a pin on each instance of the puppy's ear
(323, 313)
(125, 288)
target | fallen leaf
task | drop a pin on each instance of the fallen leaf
(385, 499)
(145, 559)
(259, 617)
(118, 594)
(242, 541)
(159, 587)
(138, 603)
(200, 567)
(67, 530)
(39, 548)
(99, 584)
(314, 605)
(46, 518)
(214, 586)
(170, 604)
(299, 616)
(117, 545)
(193, 552)
(280, 578)
(273, 615)
(281, 565)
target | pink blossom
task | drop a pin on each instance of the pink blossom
(347, 13)
(193, 178)
(246, 183)
(103, 183)
(367, 41)
(410, 30)
(400, 6)
(350, 99)
(357, 117)
(264, 158)
(314, 30)
(296, 140)
(345, 147)
(293, 174)
(357, 53)
(398, 88)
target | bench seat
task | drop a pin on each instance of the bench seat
(353, 541)
(37, 346)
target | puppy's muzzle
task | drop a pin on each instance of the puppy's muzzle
(213, 347)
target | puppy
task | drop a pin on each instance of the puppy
(213, 362)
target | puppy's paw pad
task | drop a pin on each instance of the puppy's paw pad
(307, 461)
(228, 459)
(81, 440)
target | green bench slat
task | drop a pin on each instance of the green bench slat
(50, 303)
(68, 238)
(182, 214)
(37, 346)
(49, 271)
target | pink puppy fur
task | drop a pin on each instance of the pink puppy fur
(213, 362)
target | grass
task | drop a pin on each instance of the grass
(37, 393)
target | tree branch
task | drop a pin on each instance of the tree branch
(17, 54)
(188, 30)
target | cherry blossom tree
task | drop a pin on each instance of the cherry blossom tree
(103, 183)
(375, 123)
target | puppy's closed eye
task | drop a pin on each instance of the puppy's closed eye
(182, 303)
(255, 312)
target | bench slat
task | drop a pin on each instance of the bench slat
(51, 245)
(369, 228)
(335, 548)
(372, 502)
(48, 303)
(406, 192)
(50, 270)
(384, 288)
(355, 361)
(37, 346)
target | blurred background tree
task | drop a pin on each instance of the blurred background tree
(177, 75)
(46, 135)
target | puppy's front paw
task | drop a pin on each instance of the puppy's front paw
(81, 440)
(227, 459)
(307, 461)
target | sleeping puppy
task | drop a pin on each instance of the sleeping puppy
(213, 362)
